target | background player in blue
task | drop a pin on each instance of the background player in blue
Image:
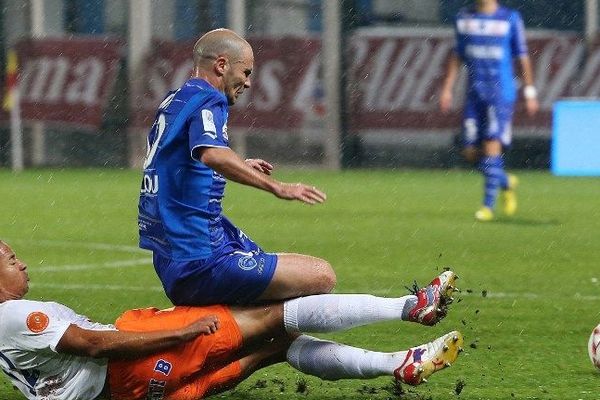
(199, 255)
(488, 38)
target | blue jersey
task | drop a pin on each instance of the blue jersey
(487, 44)
(180, 198)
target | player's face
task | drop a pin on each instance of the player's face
(237, 76)
(14, 280)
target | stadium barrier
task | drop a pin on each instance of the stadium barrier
(393, 76)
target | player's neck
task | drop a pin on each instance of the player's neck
(211, 79)
(487, 7)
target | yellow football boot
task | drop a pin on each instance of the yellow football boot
(484, 214)
(422, 361)
(509, 196)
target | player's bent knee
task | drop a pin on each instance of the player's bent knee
(470, 155)
(324, 279)
(471, 158)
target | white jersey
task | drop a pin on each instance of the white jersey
(29, 334)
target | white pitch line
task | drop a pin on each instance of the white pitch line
(85, 245)
(85, 267)
(502, 295)
(498, 295)
(526, 295)
(64, 286)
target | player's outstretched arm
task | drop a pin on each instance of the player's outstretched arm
(529, 91)
(302, 192)
(252, 173)
(446, 97)
(259, 165)
(120, 344)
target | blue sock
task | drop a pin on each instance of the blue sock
(493, 171)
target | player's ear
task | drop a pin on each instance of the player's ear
(220, 65)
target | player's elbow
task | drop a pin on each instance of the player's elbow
(82, 342)
(94, 352)
(208, 156)
(202, 155)
(95, 347)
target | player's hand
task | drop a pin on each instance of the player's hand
(203, 326)
(445, 101)
(260, 165)
(299, 191)
(532, 106)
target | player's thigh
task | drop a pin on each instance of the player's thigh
(269, 353)
(259, 323)
(299, 275)
(498, 128)
(168, 371)
(471, 153)
(492, 147)
(472, 124)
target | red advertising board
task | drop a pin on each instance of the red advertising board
(282, 81)
(396, 79)
(67, 81)
(393, 79)
(587, 83)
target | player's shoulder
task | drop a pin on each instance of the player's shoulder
(196, 94)
(14, 313)
(202, 92)
(11, 306)
(16, 308)
(508, 13)
(465, 12)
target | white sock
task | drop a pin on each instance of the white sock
(334, 312)
(332, 361)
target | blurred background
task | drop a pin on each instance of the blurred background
(337, 84)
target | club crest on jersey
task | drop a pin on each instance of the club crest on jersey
(247, 263)
(37, 321)
(164, 367)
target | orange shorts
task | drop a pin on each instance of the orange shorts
(185, 372)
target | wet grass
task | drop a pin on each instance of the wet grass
(530, 283)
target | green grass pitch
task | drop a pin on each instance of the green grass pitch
(531, 291)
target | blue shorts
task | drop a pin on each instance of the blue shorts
(237, 272)
(487, 121)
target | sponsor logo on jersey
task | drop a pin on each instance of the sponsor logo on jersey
(481, 27)
(261, 265)
(208, 120)
(211, 135)
(225, 135)
(218, 177)
(484, 52)
(37, 321)
(164, 367)
(149, 184)
(156, 389)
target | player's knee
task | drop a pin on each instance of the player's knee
(470, 155)
(325, 279)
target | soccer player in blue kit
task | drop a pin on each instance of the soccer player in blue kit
(199, 255)
(488, 38)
